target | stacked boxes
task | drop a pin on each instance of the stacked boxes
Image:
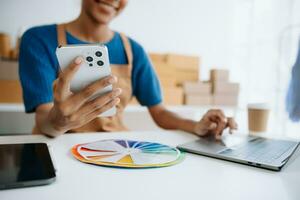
(217, 91)
(10, 87)
(186, 68)
(197, 93)
(180, 68)
(224, 92)
(5, 45)
(173, 70)
(179, 78)
(6, 50)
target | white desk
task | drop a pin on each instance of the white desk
(13, 119)
(197, 177)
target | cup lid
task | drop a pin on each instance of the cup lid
(263, 106)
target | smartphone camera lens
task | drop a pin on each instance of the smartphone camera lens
(91, 65)
(100, 63)
(89, 59)
(98, 53)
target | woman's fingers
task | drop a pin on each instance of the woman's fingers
(86, 93)
(216, 122)
(84, 119)
(83, 96)
(97, 103)
(212, 126)
(218, 117)
(97, 112)
(231, 124)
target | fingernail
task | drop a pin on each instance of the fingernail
(112, 80)
(117, 92)
(78, 60)
(218, 137)
(212, 126)
(116, 101)
(225, 120)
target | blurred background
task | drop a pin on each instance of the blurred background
(255, 40)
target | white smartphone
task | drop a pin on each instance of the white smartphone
(94, 67)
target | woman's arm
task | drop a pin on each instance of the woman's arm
(170, 120)
(213, 122)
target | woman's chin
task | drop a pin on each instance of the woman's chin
(103, 19)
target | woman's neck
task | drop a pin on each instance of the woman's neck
(86, 29)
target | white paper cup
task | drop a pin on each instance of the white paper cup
(258, 117)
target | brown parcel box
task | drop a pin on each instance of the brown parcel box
(180, 62)
(5, 45)
(10, 87)
(167, 81)
(183, 76)
(225, 100)
(173, 96)
(199, 88)
(183, 62)
(10, 91)
(9, 70)
(165, 70)
(219, 75)
(225, 88)
(157, 57)
(196, 99)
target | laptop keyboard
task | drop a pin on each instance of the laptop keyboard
(259, 150)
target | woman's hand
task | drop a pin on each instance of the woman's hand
(214, 122)
(70, 110)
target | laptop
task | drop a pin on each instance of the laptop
(256, 151)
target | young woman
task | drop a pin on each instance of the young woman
(46, 89)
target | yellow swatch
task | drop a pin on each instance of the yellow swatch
(126, 159)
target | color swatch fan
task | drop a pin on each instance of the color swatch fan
(127, 153)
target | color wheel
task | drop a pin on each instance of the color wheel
(127, 154)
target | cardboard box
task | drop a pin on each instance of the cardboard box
(13, 54)
(219, 75)
(183, 76)
(164, 70)
(11, 91)
(157, 57)
(167, 81)
(183, 62)
(173, 96)
(196, 99)
(225, 88)
(10, 87)
(197, 88)
(225, 100)
(9, 70)
(5, 45)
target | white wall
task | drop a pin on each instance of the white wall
(240, 35)
(266, 35)
(163, 26)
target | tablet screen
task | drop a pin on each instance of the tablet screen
(25, 165)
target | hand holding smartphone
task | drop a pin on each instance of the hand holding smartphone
(95, 66)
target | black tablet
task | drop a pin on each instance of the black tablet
(23, 165)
